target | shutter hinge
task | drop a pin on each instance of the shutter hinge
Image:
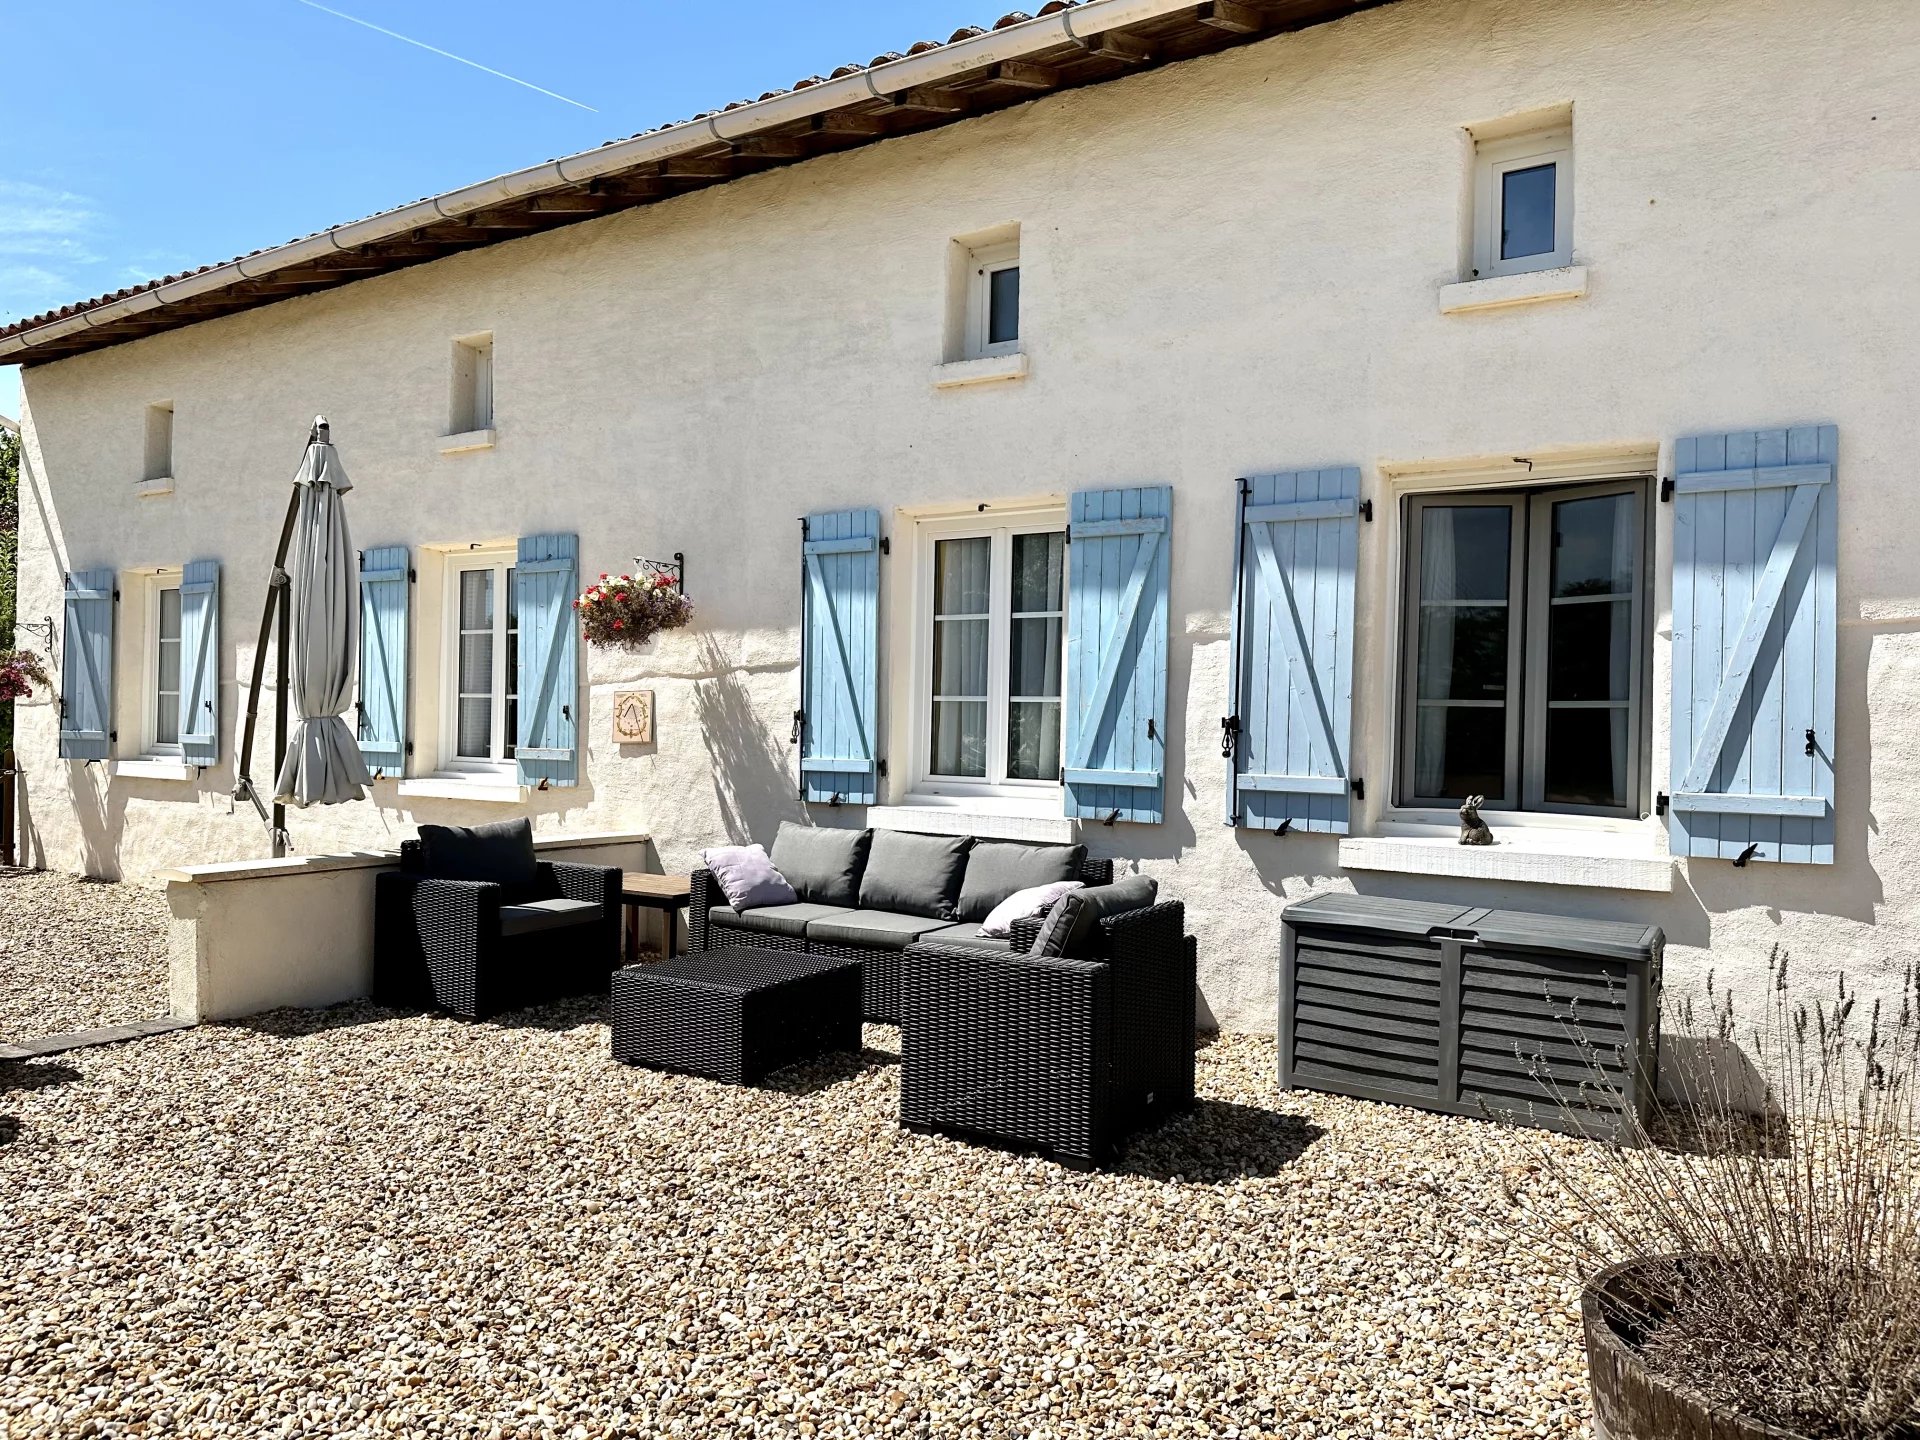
(1666, 491)
(1229, 734)
(1069, 534)
(113, 735)
(1244, 485)
(1366, 511)
(1660, 803)
(886, 545)
(413, 575)
(799, 720)
(363, 559)
(1359, 788)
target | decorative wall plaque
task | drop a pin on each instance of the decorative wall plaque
(633, 717)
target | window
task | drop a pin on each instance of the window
(983, 295)
(159, 441)
(482, 701)
(1523, 202)
(472, 407)
(993, 649)
(1526, 651)
(161, 721)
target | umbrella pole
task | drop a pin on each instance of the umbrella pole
(244, 787)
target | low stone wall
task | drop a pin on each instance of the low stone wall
(259, 935)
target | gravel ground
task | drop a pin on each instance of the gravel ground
(76, 954)
(355, 1223)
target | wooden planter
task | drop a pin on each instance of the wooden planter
(1630, 1402)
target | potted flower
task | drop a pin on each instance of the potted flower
(1753, 1257)
(630, 610)
(20, 671)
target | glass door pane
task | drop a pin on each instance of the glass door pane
(166, 702)
(1591, 622)
(1034, 656)
(1463, 651)
(474, 700)
(962, 633)
(512, 679)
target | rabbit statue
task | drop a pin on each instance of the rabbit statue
(1473, 830)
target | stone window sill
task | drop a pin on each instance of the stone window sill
(987, 371)
(1585, 858)
(153, 768)
(1501, 292)
(154, 488)
(462, 787)
(987, 823)
(466, 442)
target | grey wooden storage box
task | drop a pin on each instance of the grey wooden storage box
(1471, 1011)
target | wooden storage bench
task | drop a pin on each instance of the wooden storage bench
(1549, 1020)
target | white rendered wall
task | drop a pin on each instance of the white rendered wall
(1229, 265)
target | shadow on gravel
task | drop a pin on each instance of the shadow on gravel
(1218, 1142)
(301, 1024)
(34, 1074)
(812, 1076)
(9, 1129)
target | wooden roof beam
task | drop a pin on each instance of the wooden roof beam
(698, 167)
(1231, 16)
(1114, 46)
(1025, 75)
(934, 102)
(772, 147)
(850, 122)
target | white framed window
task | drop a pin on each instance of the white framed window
(1523, 202)
(989, 656)
(472, 387)
(993, 300)
(1526, 649)
(161, 674)
(480, 675)
(158, 461)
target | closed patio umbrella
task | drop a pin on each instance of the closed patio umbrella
(322, 764)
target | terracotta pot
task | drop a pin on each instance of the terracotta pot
(1630, 1402)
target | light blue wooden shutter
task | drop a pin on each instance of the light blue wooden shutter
(1754, 628)
(385, 595)
(1293, 623)
(840, 657)
(86, 667)
(547, 742)
(200, 663)
(1118, 562)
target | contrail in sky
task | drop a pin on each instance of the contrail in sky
(448, 54)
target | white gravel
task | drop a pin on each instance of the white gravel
(360, 1224)
(76, 954)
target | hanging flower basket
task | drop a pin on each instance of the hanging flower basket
(20, 671)
(630, 610)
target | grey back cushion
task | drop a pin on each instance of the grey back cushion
(1065, 930)
(823, 865)
(998, 868)
(914, 874)
(1136, 892)
(499, 854)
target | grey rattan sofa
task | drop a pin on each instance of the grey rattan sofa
(876, 936)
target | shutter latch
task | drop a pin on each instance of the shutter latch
(1359, 787)
(1660, 803)
(1229, 734)
(1740, 860)
(1666, 491)
(1811, 747)
(799, 720)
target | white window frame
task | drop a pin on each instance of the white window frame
(470, 410)
(152, 585)
(452, 764)
(983, 263)
(1493, 159)
(1000, 529)
(158, 460)
(1529, 602)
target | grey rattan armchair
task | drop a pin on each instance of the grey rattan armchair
(1069, 1055)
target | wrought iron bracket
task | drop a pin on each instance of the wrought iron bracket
(677, 566)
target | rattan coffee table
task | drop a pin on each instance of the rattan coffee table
(736, 1014)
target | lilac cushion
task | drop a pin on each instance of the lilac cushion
(1024, 905)
(746, 877)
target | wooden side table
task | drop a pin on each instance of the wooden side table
(669, 893)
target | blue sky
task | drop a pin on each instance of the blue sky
(142, 137)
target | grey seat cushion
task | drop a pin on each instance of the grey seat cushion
(968, 937)
(999, 868)
(873, 927)
(910, 874)
(548, 915)
(777, 919)
(821, 863)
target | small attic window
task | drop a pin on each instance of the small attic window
(159, 443)
(1523, 198)
(472, 407)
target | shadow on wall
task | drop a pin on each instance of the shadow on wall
(753, 783)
